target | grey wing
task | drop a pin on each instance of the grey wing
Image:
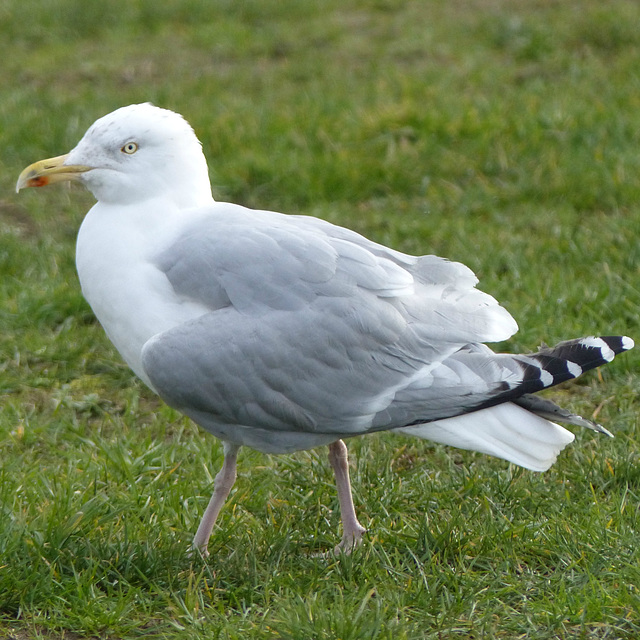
(313, 330)
(258, 262)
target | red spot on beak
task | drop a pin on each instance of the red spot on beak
(40, 181)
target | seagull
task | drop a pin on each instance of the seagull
(285, 332)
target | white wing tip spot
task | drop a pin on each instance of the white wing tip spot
(545, 377)
(574, 369)
(627, 343)
(606, 352)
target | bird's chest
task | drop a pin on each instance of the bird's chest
(129, 294)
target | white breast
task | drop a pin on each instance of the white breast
(130, 296)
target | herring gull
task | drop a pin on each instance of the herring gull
(286, 332)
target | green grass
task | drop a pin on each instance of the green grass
(504, 134)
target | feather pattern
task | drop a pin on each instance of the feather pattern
(287, 332)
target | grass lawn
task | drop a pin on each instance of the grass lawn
(501, 133)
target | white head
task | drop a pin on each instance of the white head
(133, 154)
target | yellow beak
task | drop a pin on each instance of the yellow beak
(44, 172)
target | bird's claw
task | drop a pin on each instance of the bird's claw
(350, 541)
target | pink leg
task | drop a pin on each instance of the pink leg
(221, 488)
(352, 530)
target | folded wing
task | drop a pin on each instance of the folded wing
(313, 329)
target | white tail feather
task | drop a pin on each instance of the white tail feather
(506, 431)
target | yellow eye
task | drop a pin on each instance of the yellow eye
(129, 148)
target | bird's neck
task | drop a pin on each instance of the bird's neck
(115, 258)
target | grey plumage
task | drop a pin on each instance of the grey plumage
(287, 332)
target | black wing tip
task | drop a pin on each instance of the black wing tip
(618, 344)
(589, 352)
(570, 359)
